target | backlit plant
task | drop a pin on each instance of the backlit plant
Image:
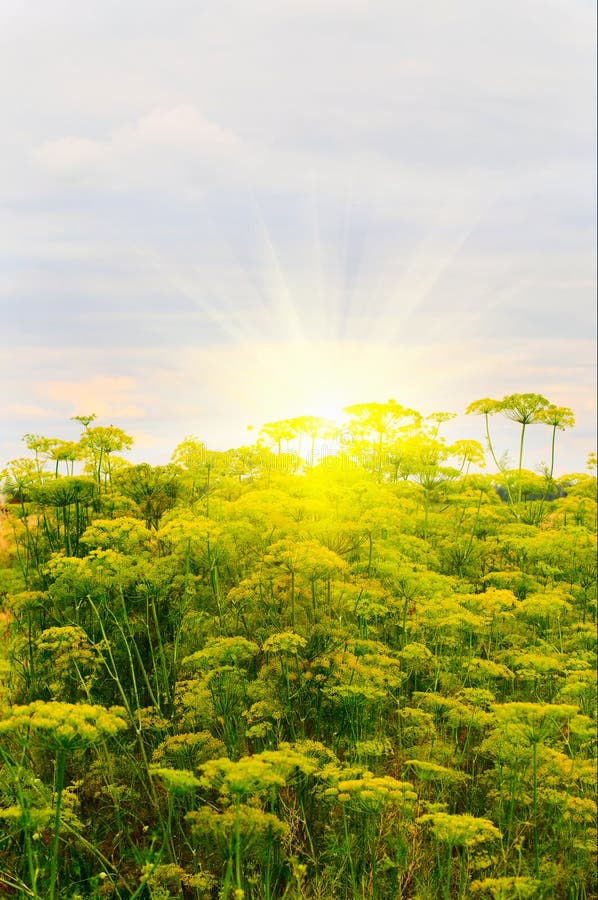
(363, 675)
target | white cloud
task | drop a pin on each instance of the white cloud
(72, 156)
(156, 149)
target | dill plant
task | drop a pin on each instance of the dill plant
(374, 811)
(372, 675)
(468, 834)
(62, 728)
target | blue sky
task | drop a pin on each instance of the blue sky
(220, 214)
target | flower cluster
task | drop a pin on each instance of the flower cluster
(64, 726)
(368, 793)
(460, 830)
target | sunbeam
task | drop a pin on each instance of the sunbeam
(286, 347)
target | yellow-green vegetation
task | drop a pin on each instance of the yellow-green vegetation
(274, 673)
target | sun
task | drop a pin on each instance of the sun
(309, 378)
(329, 408)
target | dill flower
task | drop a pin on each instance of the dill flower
(284, 642)
(315, 750)
(34, 818)
(176, 781)
(479, 669)
(535, 719)
(224, 651)
(169, 877)
(289, 761)
(507, 888)
(248, 775)
(257, 828)
(65, 726)
(186, 751)
(430, 771)
(416, 658)
(460, 830)
(368, 793)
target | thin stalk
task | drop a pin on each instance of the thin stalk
(100, 473)
(552, 451)
(142, 667)
(59, 783)
(287, 682)
(473, 532)
(162, 657)
(32, 868)
(535, 807)
(449, 861)
(523, 424)
(549, 477)
(67, 537)
(373, 861)
(348, 853)
(136, 723)
(238, 877)
(462, 870)
(496, 462)
(77, 524)
(93, 851)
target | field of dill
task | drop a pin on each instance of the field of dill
(254, 675)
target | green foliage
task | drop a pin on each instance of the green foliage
(250, 674)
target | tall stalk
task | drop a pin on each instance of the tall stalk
(521, 440)
(58, 787)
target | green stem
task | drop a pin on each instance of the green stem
(535, 807)
(238, 846)
(496, 462)
(285, 670)
(523, 424)
(373, 861)
(162, 658)
(14, 771)
(549, 477)
(60, 767)
(552, 451)
(462, 875)
(449, 861)
(348, 852)
(112, 670)
(473, 532)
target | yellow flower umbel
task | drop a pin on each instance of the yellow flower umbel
(372, 794)
(255, 775)
(176, 781)
(64, 726)
(460, 831)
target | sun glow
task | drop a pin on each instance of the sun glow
(307, 330)
(320, 378)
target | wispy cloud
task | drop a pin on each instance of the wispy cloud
(107, 396)
(153, 150)
(26, 412)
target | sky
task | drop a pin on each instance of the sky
(218, 214)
